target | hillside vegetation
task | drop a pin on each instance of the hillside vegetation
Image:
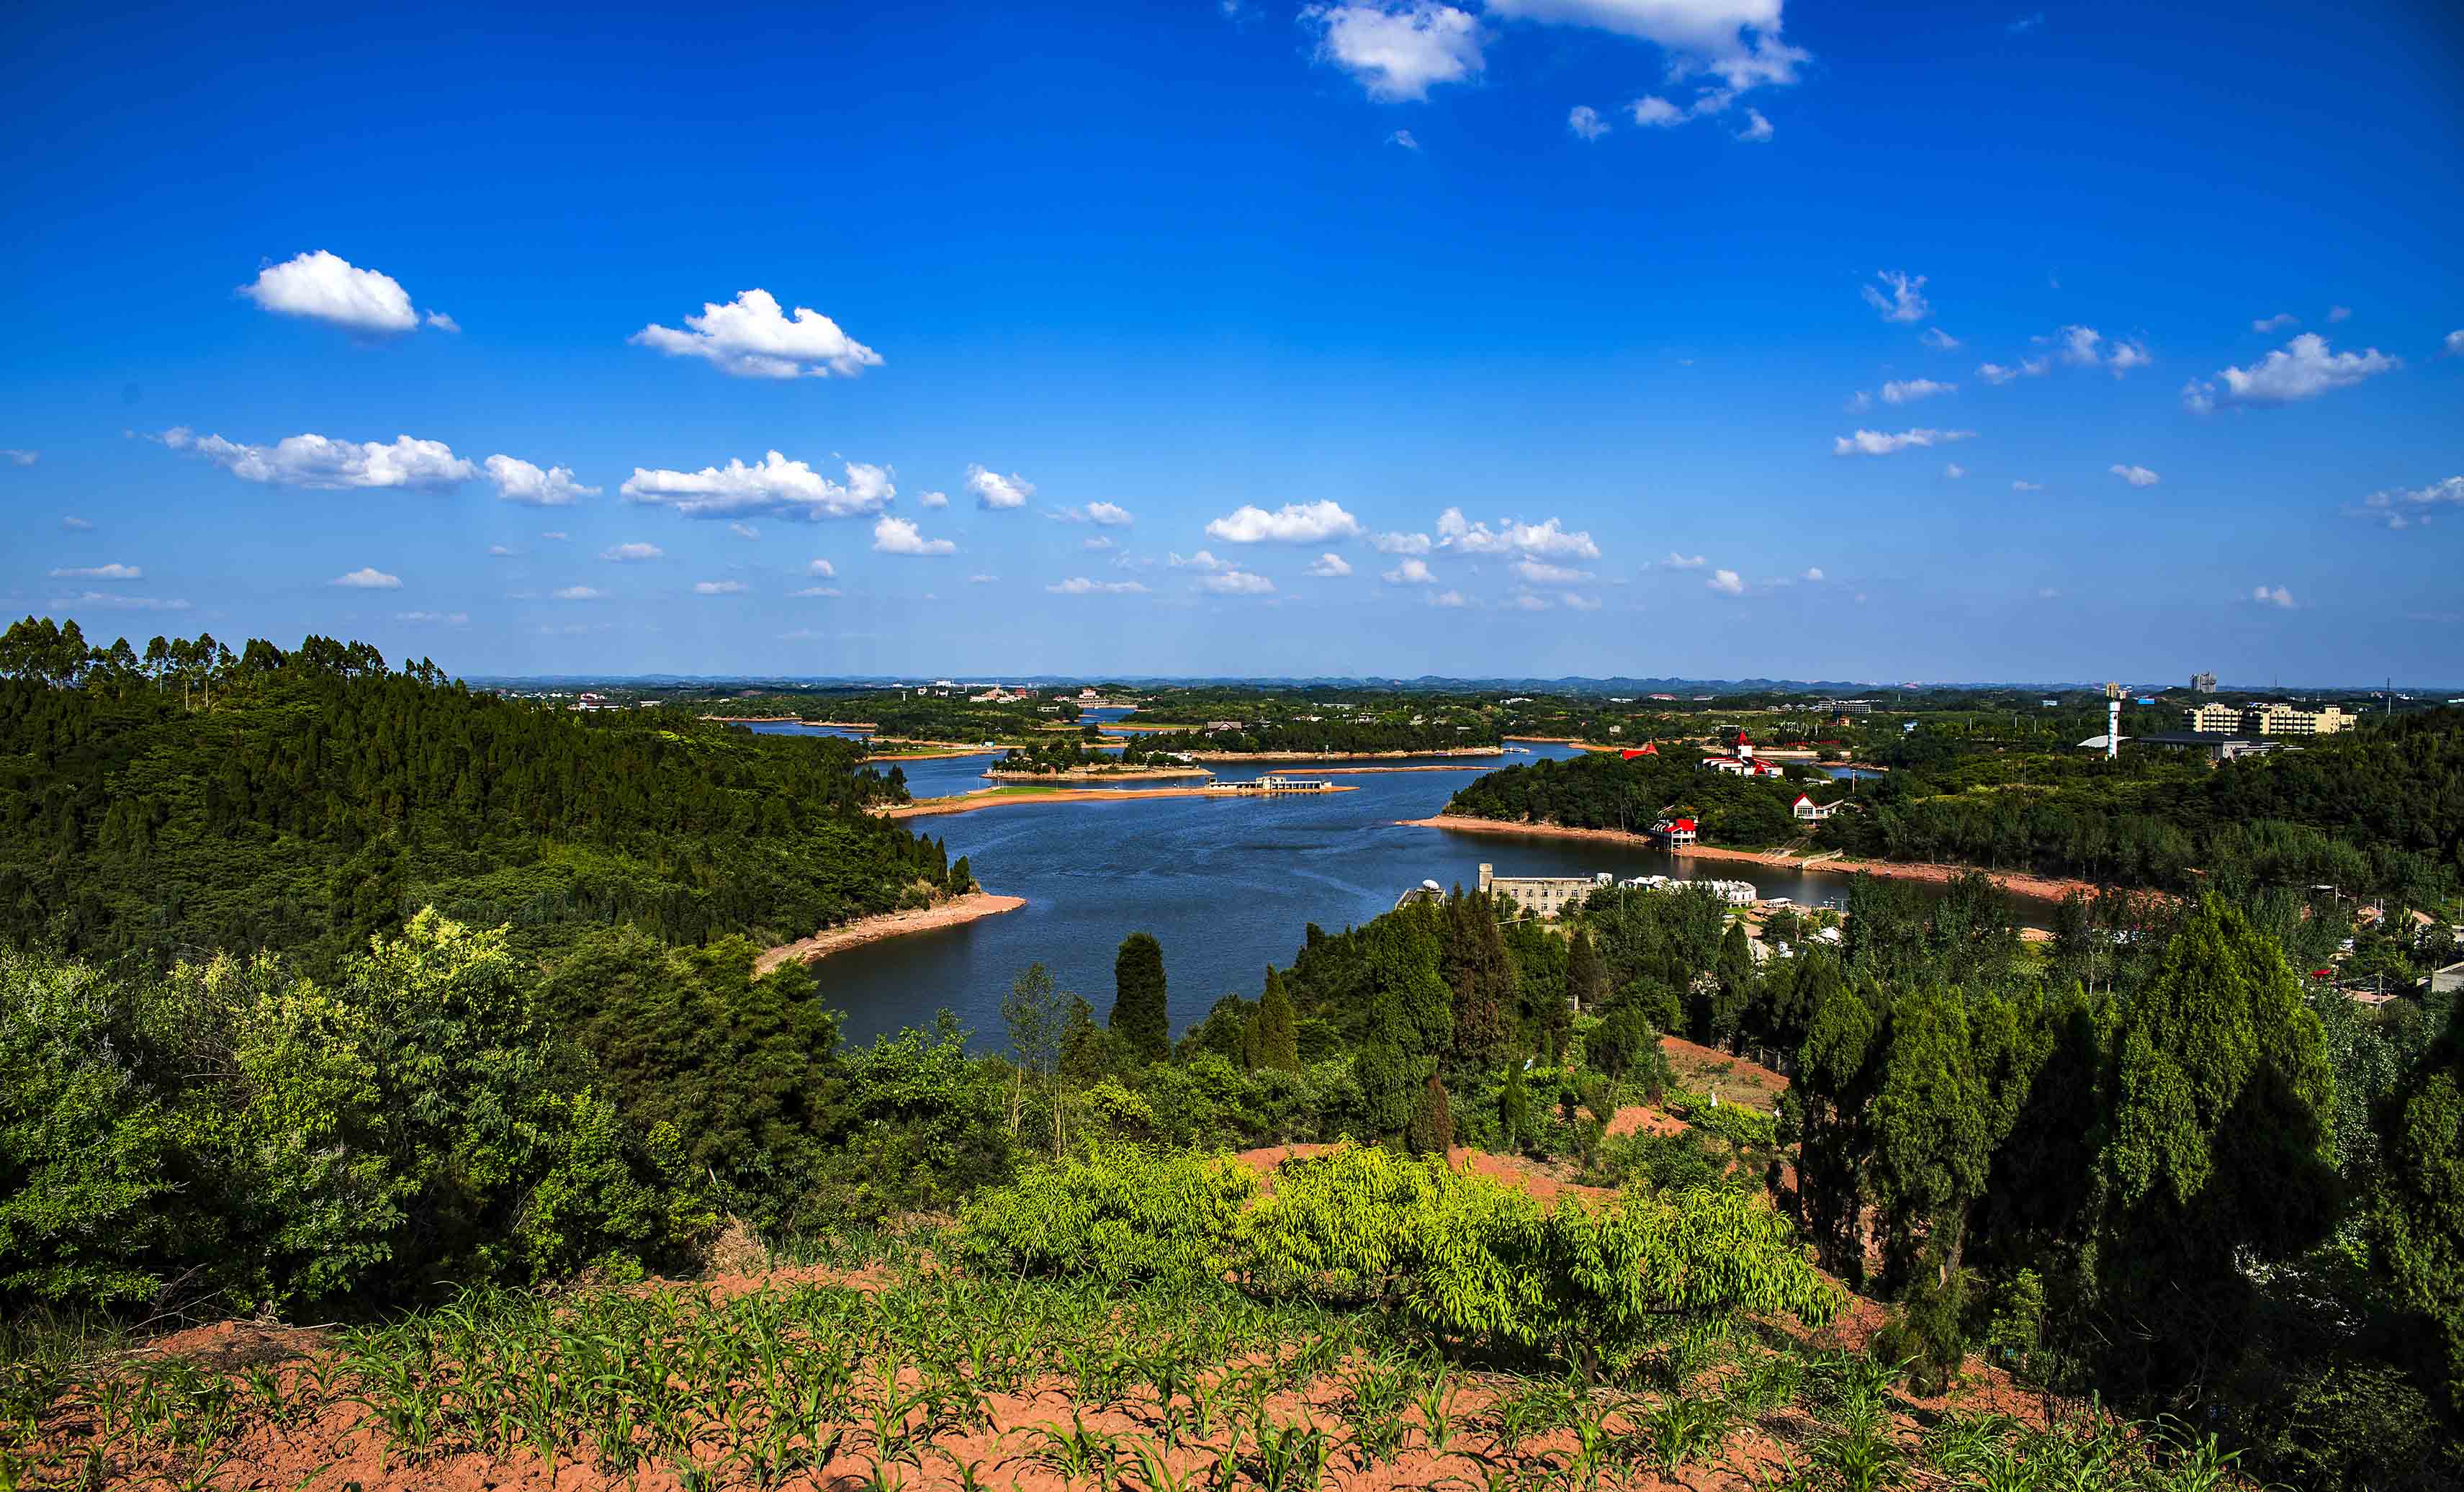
(2149, 1164)
(188, 799)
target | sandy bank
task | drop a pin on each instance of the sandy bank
(2017, 882)
(935, 756)
(889, 924)
(1343, 756)
(997, 797)
(1117, 775)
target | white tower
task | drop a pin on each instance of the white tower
(2112, 721)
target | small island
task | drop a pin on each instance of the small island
(1075, 761)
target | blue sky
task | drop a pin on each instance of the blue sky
(1679, 366)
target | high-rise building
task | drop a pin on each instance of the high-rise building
(2203, 683)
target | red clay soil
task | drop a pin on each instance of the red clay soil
(1700, 1066)
(338, 1446)
(1645, 1119)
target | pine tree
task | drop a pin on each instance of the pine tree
(1278, 1034)
(1138, 1010)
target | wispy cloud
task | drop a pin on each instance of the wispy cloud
(1879, 443)
(367, 578)
(1901, 296)
(2398, 508)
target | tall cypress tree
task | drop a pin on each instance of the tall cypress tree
(1138, 997)
(1587, 977)
(1277, 1028)
(1432, 1129)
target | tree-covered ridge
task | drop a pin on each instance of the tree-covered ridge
(2377, 812)
(1605, 790)
(318, 797)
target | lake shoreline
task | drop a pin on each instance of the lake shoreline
(957, 912)
(2015, 883)
(1343, 756)
(994, 798)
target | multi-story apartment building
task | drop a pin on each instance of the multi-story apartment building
(2267, 719)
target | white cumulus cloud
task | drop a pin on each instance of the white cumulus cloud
(994, 490)
(720, 587)
(1585, 123)
(2302, 368)
(2276, 596)
(20, 458)
(1737, 41)
(1081, 585)
(576, 593)
(1654, 112)
(1938, 340)
(520, 481)
(1758, 130)
(1449, 599)
(777, 485)
(1411, 572)
(1399, 543)
(1201, 561)
(1914, 389)
(1879, 443)
(1678, 561)
(895, 535)
(751, 338)
(934, 500)
(100, 572)
(1726, 583)
(314, 461)
(2027, 487)
(2135, 476)
(1548, 539)
(434, 617)
(367, 578)
(1954, 471)
(631, 553)
(2276, 323)
(1294, 523)
(1330, 565)
(1398, 49)
(822, 568)
(326, 287)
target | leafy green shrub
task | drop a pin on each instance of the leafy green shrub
(1122, 1212)
(1479, 1262)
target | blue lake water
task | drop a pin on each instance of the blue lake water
(1227, 884)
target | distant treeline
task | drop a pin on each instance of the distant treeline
(189, 798)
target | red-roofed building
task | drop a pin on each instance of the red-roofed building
(1811, 812)
(1674, 831)
(1646, 749)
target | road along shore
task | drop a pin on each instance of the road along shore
(2017, 882)
(950, 913)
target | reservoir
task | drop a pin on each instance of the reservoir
(1228, 886)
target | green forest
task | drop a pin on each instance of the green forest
(335, 990)
(190, 800)
(2378, 812)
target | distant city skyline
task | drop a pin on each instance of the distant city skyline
(1510, 338)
